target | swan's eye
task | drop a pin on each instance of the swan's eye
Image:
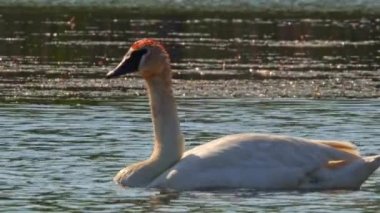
(135, 58)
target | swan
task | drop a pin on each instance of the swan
(256, 161)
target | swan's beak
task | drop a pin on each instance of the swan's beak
(129, 64)
(121, 69)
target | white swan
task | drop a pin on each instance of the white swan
(259, 161)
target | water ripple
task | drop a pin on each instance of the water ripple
(63, 157)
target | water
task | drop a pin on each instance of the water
(65, 130)
(63, 157)
(267, 6)
(55, 54)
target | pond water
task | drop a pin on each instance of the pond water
(63, 157)
(62, 53)
(65, 130)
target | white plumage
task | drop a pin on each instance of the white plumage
(259, 161)
(262, 161)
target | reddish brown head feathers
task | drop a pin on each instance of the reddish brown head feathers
(145, 43)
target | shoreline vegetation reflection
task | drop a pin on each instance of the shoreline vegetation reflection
(63, 54)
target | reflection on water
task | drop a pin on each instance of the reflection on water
(55, 54)
(63, 157)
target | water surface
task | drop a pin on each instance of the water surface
(65, 130)
(63, 53)
(63, 157)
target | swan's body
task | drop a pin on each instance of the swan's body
(259, 161)
(266, 162)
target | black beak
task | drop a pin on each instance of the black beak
(129, 64)
(124, 67)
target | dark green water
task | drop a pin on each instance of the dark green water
(65, 130)
(63, 53)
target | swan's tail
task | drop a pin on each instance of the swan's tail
(341, 174)
(372, 162)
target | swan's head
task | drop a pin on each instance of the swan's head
(146, 56)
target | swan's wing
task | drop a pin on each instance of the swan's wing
(340, 145)
(250, 160)
(272, 149)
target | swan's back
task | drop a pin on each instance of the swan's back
(263, 162)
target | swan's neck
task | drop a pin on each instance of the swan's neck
(168, 139)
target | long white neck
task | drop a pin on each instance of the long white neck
(168, 139)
